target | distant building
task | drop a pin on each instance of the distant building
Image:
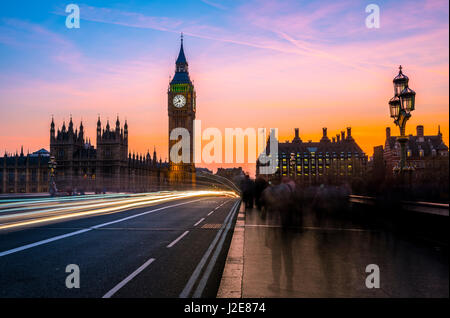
(378, 162)
(326, 161)
(230, 173)
(204, 170)
(428, 154)
(23, 174)
(109, 167)
(376, 167)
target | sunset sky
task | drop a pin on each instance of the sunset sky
(273, 64)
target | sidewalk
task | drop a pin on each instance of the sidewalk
(326, 259)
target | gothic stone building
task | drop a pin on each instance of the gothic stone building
(333, 161)
(24, 173)
(108, 167)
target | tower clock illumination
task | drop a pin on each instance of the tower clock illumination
(179, 101)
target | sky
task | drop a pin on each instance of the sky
(254, 63)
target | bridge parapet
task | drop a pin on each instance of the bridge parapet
(414, 206)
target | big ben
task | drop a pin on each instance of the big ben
(181, 111)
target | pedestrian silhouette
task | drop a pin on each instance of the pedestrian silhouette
(279, 213)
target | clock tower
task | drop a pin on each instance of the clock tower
(181, 111)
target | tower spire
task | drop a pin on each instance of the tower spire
(117, 124)
(71, 124)
(52, 130)
(181, 57)
(181, 67)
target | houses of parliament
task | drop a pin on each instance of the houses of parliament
(81, 167)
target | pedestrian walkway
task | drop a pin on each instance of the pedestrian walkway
(327, 258)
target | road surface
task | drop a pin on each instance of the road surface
(157, 245)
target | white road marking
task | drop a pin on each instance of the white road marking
(199, 222)
(126, 280)
(216, 208)
(52, 239)
(179, 238)
(202, 284)
(190, 284)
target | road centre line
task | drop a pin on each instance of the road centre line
(177, 239)
(126, 280)
(216, 208)
(141, 268)
(199, 221)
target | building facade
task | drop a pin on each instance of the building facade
(181, 109)
(21, 173)
(427, 154)
(108, 167)
(333, 161)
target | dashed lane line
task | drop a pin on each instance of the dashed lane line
(126, 280)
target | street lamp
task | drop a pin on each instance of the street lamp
(394, 106)
(400, 108)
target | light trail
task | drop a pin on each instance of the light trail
(5, 207)
(77, 204)
(27, 201)
(83, 209)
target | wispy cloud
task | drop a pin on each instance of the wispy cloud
(125, 18)
(215, 4)
(304, 32)
(23, 34)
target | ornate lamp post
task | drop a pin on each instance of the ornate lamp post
(52, 167)
(400, 107)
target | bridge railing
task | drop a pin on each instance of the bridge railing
(441, 209)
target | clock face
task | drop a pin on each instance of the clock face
(179, 101)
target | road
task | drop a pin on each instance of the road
(155, 245)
